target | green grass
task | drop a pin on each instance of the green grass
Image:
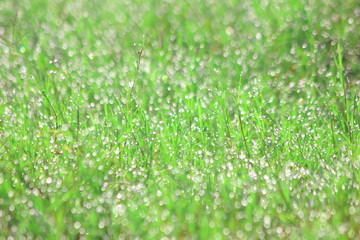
(179, 119)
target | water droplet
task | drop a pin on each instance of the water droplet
(77, 225)
(267, 221)
(49, 180)
(229, 31)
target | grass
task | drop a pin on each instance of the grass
(179, 119)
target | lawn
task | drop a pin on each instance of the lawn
(169, 119)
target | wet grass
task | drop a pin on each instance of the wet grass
(179, 119)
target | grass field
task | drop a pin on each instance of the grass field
(183, 119)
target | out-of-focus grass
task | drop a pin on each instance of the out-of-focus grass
(179, 119)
